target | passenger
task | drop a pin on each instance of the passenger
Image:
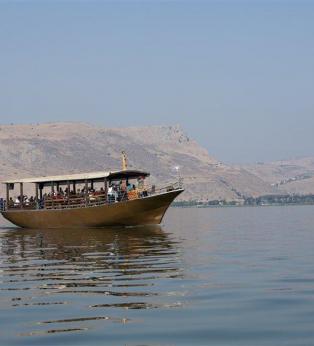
(132, 194)
(110, 190)
(141, 187)
(136, 192)
(115, 193)
(124, 190)
(111, 197)
(98, 193)
(140, 183)
(26, 201)
(41, 203)
(91, 196)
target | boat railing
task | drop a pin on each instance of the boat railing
(153, 190)
(91, 200)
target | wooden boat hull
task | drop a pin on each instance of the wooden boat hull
(143, 211)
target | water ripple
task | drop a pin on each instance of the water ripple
(93, 269)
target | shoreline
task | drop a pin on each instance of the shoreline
(261, 201)
(243, 205)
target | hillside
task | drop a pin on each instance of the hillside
(295, 176)
(57, 148)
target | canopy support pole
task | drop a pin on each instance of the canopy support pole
(8, 195)
(37, 202)
(52, 193)
(106, 189)
(21, 195)
(68, 194)
(86, 192)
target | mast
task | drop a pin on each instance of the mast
(124, 161)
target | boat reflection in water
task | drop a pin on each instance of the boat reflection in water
(74, 279)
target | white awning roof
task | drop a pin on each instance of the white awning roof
(80, 177)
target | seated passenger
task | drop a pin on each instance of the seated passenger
(129, 187)
(133, 194)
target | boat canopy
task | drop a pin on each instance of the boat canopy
(81, 177)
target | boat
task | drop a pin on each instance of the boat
(106, 198)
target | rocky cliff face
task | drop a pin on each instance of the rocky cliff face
(59, 148)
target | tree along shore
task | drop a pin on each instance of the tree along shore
(251, 201)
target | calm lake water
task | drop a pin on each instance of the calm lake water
(224, 276)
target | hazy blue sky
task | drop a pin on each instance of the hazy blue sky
(238, 76)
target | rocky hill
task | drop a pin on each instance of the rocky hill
(295, 176)
(57, 148)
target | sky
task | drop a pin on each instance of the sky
(238, 76)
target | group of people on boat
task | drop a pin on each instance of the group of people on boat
(126, 191)
(26, 201)
(116, 192)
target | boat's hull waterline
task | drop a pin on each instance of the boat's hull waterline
(142, 211)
